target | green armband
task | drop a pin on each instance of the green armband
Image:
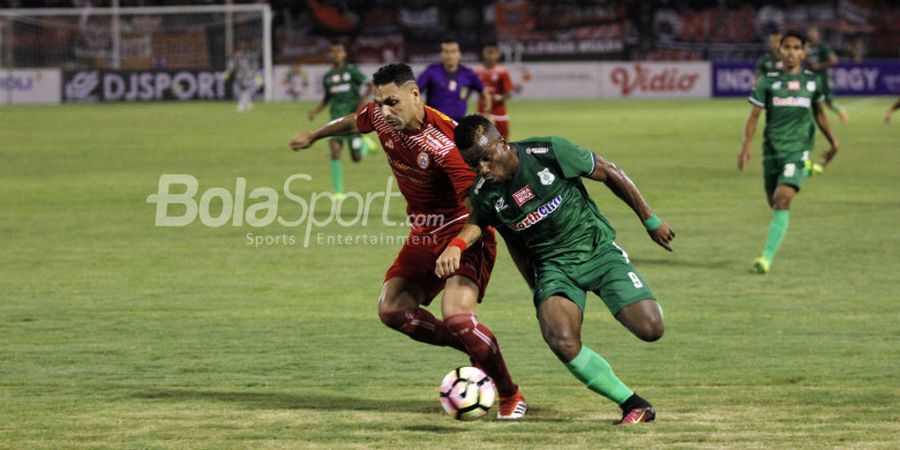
(652, 223)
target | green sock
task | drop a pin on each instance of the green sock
(777, 230)
(592, 370)
(337, 176)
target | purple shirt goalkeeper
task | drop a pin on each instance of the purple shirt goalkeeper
(447, 85)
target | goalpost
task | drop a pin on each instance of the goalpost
(137, 38)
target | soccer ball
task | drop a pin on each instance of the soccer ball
(467, 393)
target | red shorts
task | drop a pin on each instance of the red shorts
(416, 262)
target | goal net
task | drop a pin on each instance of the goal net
(164, 39)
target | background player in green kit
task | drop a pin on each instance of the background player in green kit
(532, 192)
(792, 99)
(820, 58)
(342, 84)
(771, 61)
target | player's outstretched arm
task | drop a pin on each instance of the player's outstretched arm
(749, 131)
(448, 262)
(341, 126)
(825, 127)
(618, 182)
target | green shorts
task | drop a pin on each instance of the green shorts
(789, 169)
(608, 273)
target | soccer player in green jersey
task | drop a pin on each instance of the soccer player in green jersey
(771, 61)
(820, 58)
(532, 192)
(792, 99)
(342, 84)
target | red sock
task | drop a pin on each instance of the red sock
(482, 347)
(421, 325)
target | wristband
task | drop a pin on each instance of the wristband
(652, 223)
(459, 243)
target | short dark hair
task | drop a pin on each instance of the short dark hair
(793, 34)
(335, 43)
(469, 130)
(398, 74)
(449, 40)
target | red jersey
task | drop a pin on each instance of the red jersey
(430, 171)
(496, 83)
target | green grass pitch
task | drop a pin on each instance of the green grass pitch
(115, 333)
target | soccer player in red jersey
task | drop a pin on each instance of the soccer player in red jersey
(435, 182)
(498, 85)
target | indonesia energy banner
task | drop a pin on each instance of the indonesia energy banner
(867, 78)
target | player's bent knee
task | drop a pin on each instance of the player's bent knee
(643, 319)
(781, 202)
(652, 330)
(392, 318)
(564, 345)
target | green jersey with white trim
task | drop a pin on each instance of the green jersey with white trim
(788, 100)
(342, 89)
(545, 205)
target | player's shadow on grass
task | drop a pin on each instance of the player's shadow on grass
(264, 400)
(711, 264)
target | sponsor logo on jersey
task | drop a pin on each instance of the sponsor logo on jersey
(546, 177)
(776, 85)
(801, 102)
(500, 204)
(538, 214)
(346, 76)
(389, 144)
(537, 150)
(793, 85)
(338, 88)
(523, 195)
(810, 86)
(423, 159)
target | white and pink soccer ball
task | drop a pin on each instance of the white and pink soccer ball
(467, 393)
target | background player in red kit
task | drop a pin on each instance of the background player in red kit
(498, 85)
(435, 181)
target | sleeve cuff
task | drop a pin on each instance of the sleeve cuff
(756, 102)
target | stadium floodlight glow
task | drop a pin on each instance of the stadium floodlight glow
(136, 38)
